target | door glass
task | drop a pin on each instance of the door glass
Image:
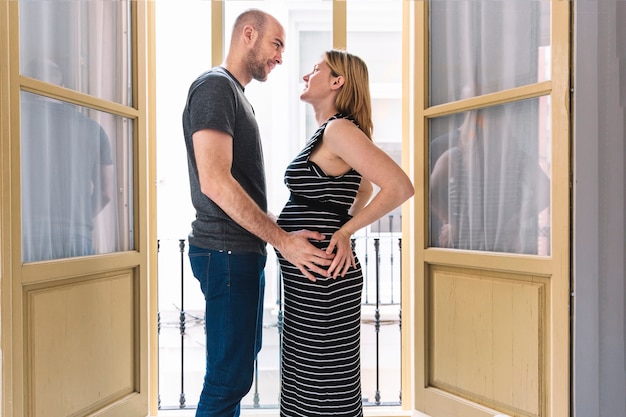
(76, 180)
(482, 46)
(490, 179)
(79, 44)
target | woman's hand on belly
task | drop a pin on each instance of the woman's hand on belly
(341, 245)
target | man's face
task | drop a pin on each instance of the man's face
(267, 51)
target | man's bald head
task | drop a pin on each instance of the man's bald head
(253, 17)
(256, 46)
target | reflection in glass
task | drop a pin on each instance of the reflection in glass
(88, 40)
(490, 179)
(70, 160)
(482, 46)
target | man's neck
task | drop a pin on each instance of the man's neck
(237, 71)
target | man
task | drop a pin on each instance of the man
(227, 245)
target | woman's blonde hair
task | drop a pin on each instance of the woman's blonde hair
(354, 98)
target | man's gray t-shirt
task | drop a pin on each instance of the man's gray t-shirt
(216, 101)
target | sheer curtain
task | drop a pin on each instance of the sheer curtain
(489, 167)
(76, 161)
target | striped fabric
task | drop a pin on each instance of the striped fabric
(321, 372)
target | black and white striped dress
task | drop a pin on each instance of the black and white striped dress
(321, 372)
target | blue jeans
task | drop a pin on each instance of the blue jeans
(233, 285)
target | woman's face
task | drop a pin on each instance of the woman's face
(317, 82)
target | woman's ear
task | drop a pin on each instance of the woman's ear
(337, 82)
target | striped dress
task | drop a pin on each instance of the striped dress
(321, 371)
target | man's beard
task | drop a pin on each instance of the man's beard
(257, 68)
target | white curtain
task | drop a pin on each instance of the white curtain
(75, 161)
(489, 167)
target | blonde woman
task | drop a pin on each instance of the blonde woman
(331, 187)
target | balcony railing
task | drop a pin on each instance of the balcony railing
(182, 337)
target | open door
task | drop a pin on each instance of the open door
(77, 199)
(492, 247)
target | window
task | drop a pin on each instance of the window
(490, 167)
(76, 160)
(286, 124)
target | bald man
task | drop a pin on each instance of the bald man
(227, 244)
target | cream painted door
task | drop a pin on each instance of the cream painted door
(75, 271)
(491, 265)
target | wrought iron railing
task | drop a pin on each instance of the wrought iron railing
(182, 338)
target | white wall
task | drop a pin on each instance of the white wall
(599, 250)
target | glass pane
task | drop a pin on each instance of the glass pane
(76, 180)
(374, 26)
(481, 46)
(79, 44)
(490, 179)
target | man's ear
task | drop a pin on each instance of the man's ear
(337, 82)
(249, 34)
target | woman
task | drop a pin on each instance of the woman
(331, 185)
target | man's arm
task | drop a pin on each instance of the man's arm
(214, 156)
(103, 190)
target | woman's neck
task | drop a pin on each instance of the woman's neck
(323, 114)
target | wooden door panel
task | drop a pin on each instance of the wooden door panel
(487, 337)
(80, 353)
